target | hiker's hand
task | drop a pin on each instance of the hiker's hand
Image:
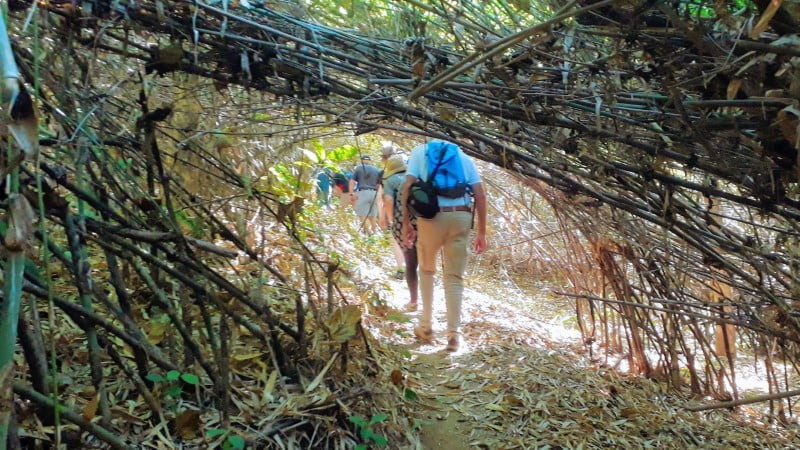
(480, 243)
(408, 233)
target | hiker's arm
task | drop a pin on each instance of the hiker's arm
(480, 207)
(407, 231)
(388, 210)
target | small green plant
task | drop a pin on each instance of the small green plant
(364, 428)
(174, 389)
(232, 441)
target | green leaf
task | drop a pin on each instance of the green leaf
(410, 395)
(173, 375)
(174, 391)
(379, 440)
(361, 447)
(366, 434)
(378, 418)
(190, 378)
(214, 432)
(155, 378)
(236, 442)
(359, 421)
(343, 153)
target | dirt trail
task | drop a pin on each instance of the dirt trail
(521, 382)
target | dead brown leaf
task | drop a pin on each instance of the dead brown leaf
(90, 410)
(188, 424)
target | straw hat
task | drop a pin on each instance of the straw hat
(394, 165)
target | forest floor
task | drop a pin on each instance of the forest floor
(523, 379)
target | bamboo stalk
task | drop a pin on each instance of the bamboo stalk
(499, 47)
(102, 433)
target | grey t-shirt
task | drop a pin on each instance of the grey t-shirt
(367, 176)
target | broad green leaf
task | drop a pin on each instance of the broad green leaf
(214, 432)
(155, 378)
(379, 440)
(236, 442)
(359, 421)
(377, 418)
(174, 391)
(410, 395)
(173, 375)
(190, 378)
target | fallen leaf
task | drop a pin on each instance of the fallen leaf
(733, 88)
(396, 377)
(766, 17)
(342, 323)
(90, 410)
(188, 423)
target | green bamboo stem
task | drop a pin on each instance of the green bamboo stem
(9, 315)
(12, 278)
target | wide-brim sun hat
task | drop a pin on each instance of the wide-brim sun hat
(394, 165)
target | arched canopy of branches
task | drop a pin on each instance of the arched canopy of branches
(667, 132)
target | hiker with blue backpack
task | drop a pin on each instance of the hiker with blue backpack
(440, 181)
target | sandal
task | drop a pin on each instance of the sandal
(410, 306)
(453, 342)
(424, 334)
(399, 274)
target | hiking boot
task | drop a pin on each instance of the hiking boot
(453, 342)
(424, 334)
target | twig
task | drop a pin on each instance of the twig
(744, 401)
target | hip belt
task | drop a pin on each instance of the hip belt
(455, 208)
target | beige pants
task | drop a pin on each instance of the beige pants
(448, 231)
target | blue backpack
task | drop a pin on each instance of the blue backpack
(446, 179)
(448, 173)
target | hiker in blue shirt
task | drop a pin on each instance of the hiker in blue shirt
(448, 230)
(324, 182)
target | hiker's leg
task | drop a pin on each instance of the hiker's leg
(410, 256)
(457, 225)
(399, 257)
(429, 241)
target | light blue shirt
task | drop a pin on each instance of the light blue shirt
(417, 168)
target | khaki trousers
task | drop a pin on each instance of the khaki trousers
(448, 231)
